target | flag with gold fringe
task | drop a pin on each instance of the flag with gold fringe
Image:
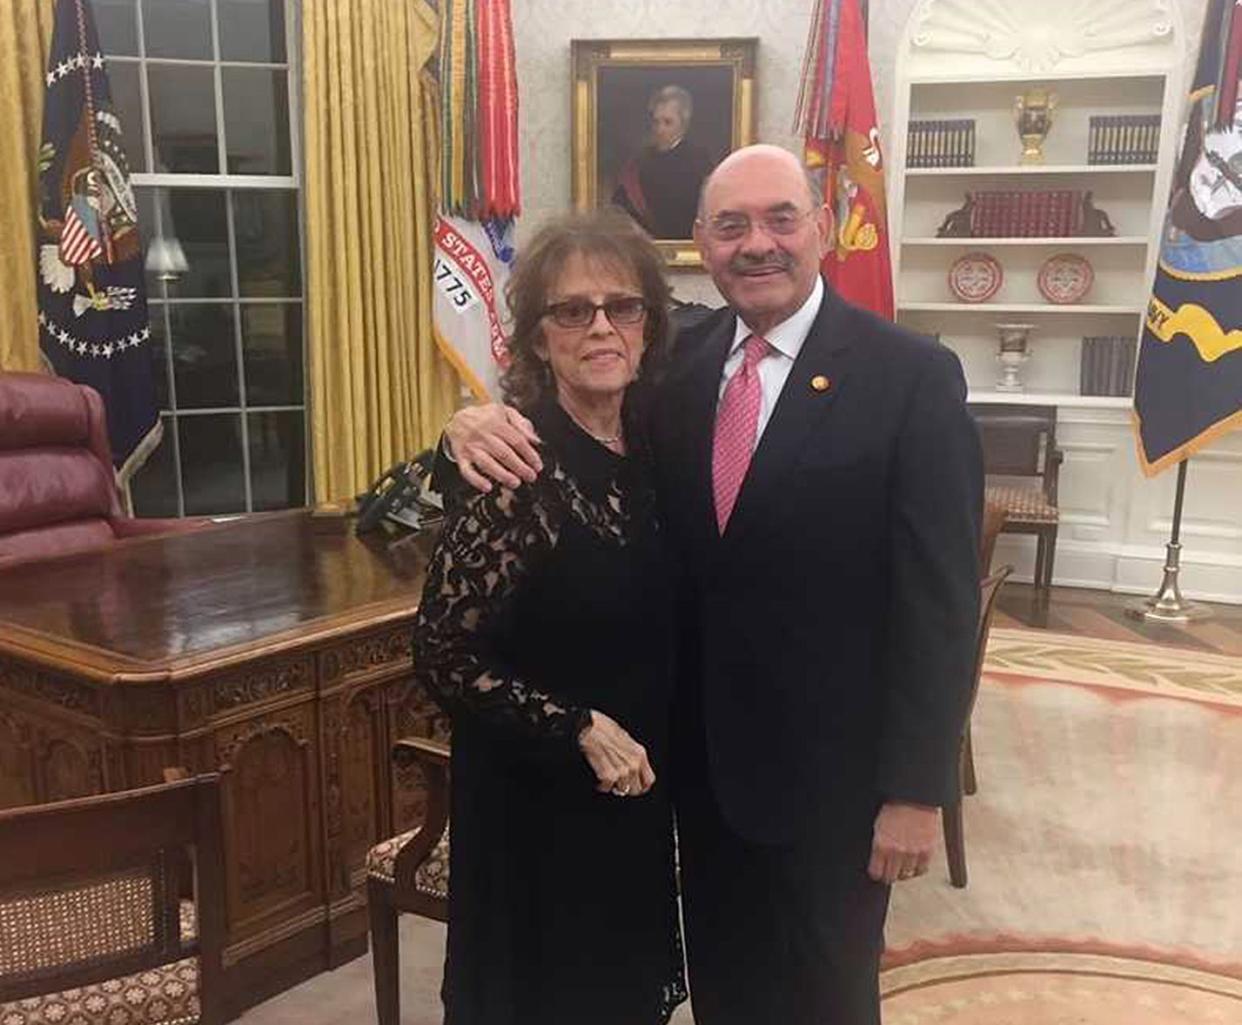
(479, 189)
(93, 324)
(841, 148)
(1188, 388)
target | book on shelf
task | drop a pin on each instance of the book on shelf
(941, 143)
(1020, 213)
(1107, 365)
(1123, 138)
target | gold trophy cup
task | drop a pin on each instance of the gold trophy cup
(1033, 116)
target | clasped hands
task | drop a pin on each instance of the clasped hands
(618, 760)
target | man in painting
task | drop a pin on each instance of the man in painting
(659, 187)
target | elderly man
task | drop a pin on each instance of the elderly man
(821, 480)
(659, 187)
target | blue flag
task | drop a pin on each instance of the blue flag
(1188, 389)
(93, 325)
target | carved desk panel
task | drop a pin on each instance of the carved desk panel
(275, 650)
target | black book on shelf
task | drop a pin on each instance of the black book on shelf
(1084, 367)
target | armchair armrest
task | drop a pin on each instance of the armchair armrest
(432, 757)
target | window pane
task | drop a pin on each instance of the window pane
(183, 119)
(158, 347)
(204, 355)
(127, 101)
(196, 221)
(252, 30)
(272, 345)
(117, 23)
(266, 226)
(277, 464)
(154, 487)
(177, 28)
(256, 120)
(212, 475)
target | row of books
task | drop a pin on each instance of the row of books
(1123, 139)
(1011, 213)
(1107, 366)
(941, 144)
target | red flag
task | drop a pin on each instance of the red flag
(836, 116)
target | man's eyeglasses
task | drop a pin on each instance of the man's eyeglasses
(622, 311)
(731, 227)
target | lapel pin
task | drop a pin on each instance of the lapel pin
(820, 383)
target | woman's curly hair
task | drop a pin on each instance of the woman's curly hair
(605, 238)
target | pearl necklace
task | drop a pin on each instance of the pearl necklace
(605, 441)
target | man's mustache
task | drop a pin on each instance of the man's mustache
(742, 262)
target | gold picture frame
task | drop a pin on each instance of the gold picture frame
(616, 89)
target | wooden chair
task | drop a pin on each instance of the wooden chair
(954, 840)
(994, 516)
(92, 925)
(409, 872)
(1023, 463)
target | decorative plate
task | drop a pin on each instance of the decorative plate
(1065, 278)
(975, 278)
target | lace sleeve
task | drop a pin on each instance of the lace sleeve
(486, 548)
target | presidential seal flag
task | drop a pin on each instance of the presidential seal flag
(1188, 388)
(93, 325)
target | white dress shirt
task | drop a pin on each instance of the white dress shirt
(786, 340)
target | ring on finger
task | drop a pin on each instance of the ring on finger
(621, 791)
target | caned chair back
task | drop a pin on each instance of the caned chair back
(90, 889)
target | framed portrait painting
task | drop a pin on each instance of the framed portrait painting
(651, 118)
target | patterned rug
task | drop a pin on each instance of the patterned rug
(1104, 847)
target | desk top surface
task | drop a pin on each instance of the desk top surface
(172, 601)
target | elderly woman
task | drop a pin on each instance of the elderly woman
(545, 630)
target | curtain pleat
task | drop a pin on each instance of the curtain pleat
(25, 35)
(380, 390)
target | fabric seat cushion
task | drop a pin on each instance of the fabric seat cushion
(1023, 503)
(432, 877)
(167, 995)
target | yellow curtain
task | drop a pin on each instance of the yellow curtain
(25, 35)
(380, 390)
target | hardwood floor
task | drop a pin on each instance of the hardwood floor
(1103, 614)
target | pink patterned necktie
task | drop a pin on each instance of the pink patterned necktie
(737, 422)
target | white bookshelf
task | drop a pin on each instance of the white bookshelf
(970, 59)
(944, 73)
(1046, 243)
(1002, 171)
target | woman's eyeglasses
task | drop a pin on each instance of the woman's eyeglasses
(731, 227)
(622, 311)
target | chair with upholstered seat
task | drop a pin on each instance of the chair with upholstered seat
(58, 491)
(93, 927)
(409, 872)
(1022, 464)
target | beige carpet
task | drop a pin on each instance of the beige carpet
(1104, 846)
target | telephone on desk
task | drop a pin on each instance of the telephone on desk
(401, 495)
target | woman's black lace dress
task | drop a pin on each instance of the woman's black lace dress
(540, 604)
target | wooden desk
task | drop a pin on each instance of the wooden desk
(275, 650)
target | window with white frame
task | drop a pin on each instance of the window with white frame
(206, 98)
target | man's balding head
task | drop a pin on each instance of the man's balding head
(762, 231)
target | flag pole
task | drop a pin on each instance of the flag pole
(1167, 605)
